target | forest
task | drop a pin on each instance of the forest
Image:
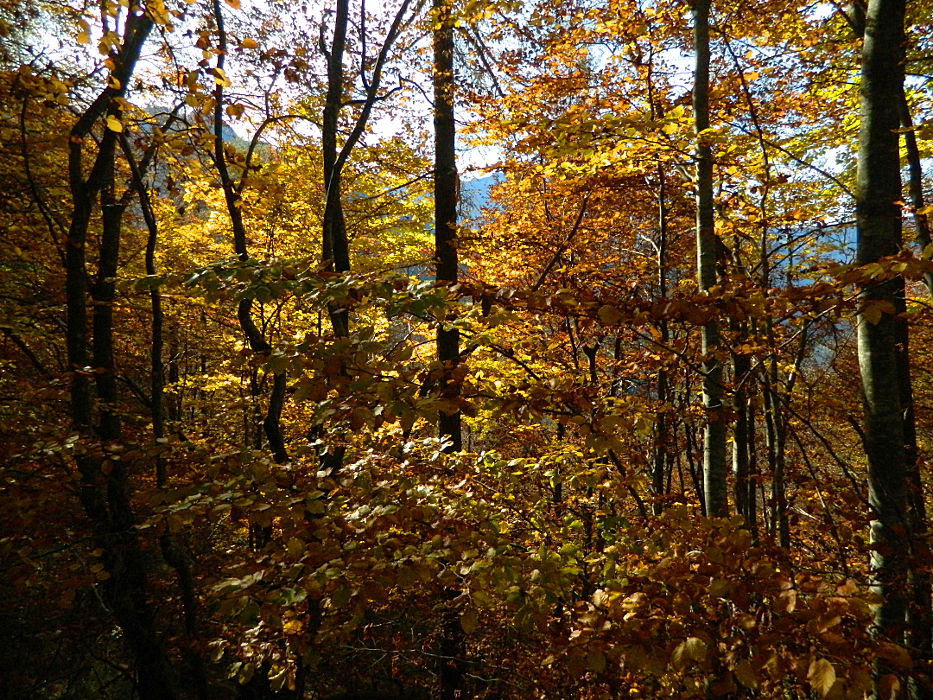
(465, 349)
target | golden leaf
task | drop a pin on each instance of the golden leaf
(822, 676)
(468, 621)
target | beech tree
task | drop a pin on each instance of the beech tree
(879, 235)
(714, 433)
(294, 384)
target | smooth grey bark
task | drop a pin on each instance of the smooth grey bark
(714, 436)
(878, 217)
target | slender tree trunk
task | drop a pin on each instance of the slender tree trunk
(173, 553)
(176, 402)
(879, 235)
(777, 448)
(662, 428)
(915, 187)
(335, 251)
(446, 186)
(334, 246)
(741, 367)
(751, 502)
(104, 490)
(714, 436)
(272, 426)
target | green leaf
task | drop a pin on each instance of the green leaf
(596, 661)
(406, 577)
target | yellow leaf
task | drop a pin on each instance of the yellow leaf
(295, 548)
(113, 83)
(293, 626)
(695, 648)
(745, 675)
(246, 673)
(469, 621)
(822, 676)
(609, 315)
(114, 124)
(249, 44)
(235, 4)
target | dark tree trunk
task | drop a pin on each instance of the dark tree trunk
(104, 491)
(272, 425)
(662, 448)
(742, 431)
(777, 447)
(335, 248)
(446, 186)
(915, 186)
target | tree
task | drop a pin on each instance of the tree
(303, 452)
(714, 434)
(879, 236)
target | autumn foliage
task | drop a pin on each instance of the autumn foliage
(228, 385)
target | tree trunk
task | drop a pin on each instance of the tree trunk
(915, 187)
(777, 445)
(334, 246)
(879, 234)
(446, 186)
(741, 368)
(662, 448)
(104, 491)
(714, 435)
(272, 425)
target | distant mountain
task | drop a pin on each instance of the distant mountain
(474, 195)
